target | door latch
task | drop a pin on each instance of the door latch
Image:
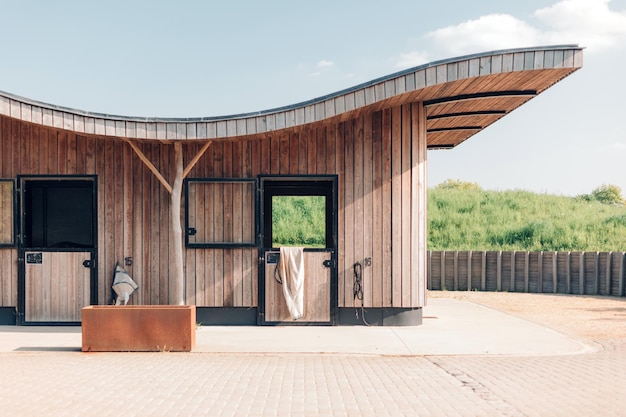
(328, 263)
(87, 263)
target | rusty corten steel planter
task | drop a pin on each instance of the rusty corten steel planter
(139, 328)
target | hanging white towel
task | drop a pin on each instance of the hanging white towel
(291, 271)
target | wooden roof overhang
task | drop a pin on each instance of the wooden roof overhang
(462, 96)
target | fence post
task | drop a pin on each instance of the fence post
(608, 272)
(555, 281)
(430, 270)
(469, 271)
(568, 273)
(540, 273)
(621, 274)
(512, 271)
(596, 282)
(499, 272)
(456, 270)
(581, 275)
(483, 277)
(526, 267)
(442, 273)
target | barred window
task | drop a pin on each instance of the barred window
(220, 212)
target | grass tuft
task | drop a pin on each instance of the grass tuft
(522, 220)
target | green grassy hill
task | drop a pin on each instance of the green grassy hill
(519, 220)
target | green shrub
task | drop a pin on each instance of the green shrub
(451, 184)
(606, 194)
(299, 221)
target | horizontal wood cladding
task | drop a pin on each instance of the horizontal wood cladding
(380, 159)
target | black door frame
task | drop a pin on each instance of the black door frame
(301, 185)
(22, 249)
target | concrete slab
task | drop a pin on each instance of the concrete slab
(40, 338)
(453, 327)
(450, 327)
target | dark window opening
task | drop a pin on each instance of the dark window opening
(58, 214)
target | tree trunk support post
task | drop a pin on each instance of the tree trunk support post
(177, 271)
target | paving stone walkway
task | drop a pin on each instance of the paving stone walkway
(43, 373)
(198, 384)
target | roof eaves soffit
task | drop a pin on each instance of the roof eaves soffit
(415, 84)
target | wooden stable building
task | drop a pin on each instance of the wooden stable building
(80, 192)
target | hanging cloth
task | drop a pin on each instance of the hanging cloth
(290, 269)
(123, 285)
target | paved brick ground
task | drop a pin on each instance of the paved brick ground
(55, 379)
(573, 385)
(194, 384)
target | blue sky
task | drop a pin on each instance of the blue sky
(208, 58)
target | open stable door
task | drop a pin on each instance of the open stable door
(301, 212)
(57, 248)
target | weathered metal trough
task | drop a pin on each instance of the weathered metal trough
(138, 328)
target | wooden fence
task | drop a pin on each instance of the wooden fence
(593, 273)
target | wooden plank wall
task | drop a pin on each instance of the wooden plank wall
(383, 163)
(380, 159)
(130, 200)
(371, 155)
(223, 277)
(6, 212)
(593, 273)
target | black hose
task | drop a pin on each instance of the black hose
(357, 290)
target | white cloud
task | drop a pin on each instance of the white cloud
(494, 31)
(325, 64)
(322, 67)
(589, 23)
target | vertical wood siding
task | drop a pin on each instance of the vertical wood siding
(380, 159)
(48, 287)
(592, 273)
(6, 212)
(316, 301)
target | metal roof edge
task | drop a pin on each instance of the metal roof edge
(294, 106)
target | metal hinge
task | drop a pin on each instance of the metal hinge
(328, 263)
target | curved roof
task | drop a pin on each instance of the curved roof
(462, 95)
